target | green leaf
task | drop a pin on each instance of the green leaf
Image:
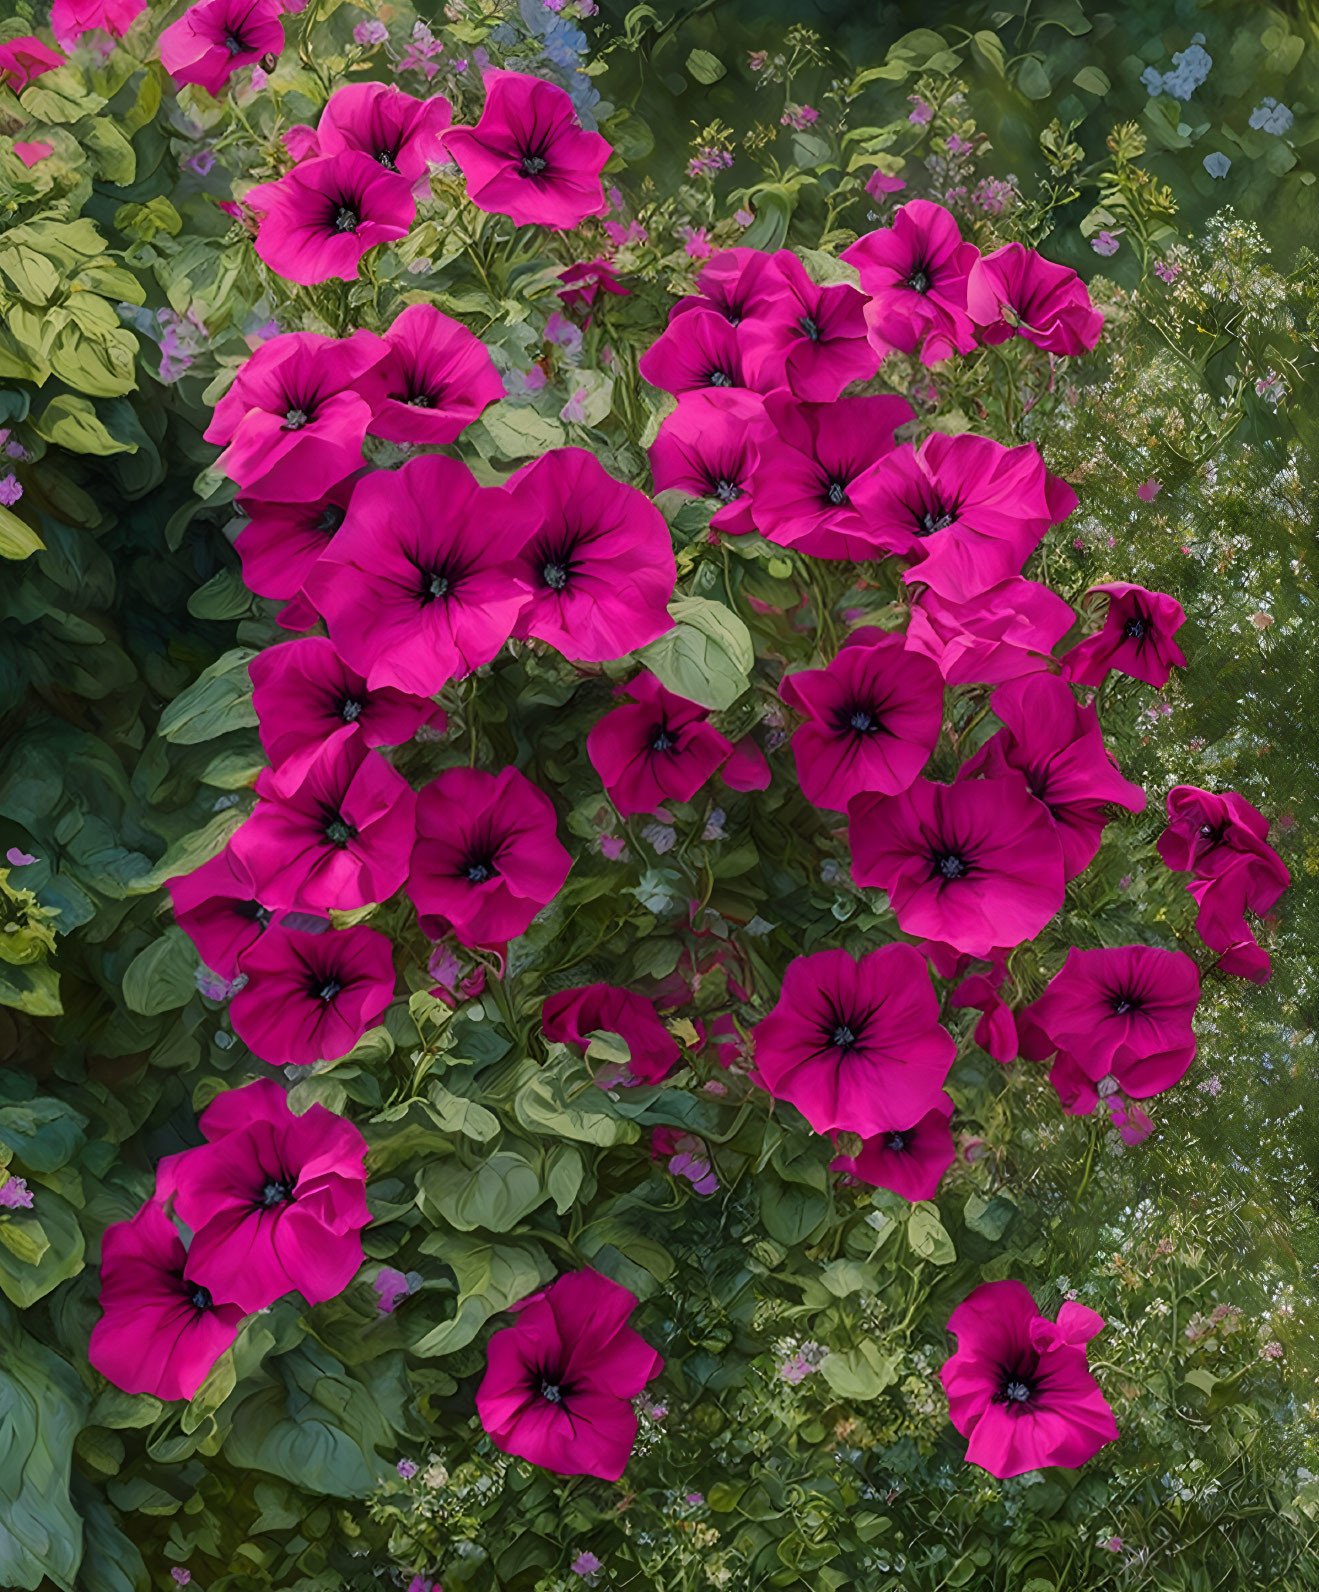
(563, 1177)
(773, 208)
(71, 422)
(519, 432)
(34, 989)
(163, 976)
(571, 1107)
(44, 1134)
(1092, 80)
(24, 1281)
(860, 1373)
(491, 1277)
(927, 1237)
(308, 1450)
(219, 700)
(988, 47)
(494, 1195)
(706, 657)
(988, 1217)
(458, 1115)
(704, 67)
(1033, 79)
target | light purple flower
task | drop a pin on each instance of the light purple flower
(391, 1285)
(406, 1469)
(585, 1564)
(1167, 272)
(372, 32)
(1105, 243)
(10, 490)
(180, 1576)
(920, 113)
(15, 1194)
(18, 859)
(200, 163)
(573, 409)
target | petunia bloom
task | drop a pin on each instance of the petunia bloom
(1059, 748)
(70, 19)
(487, 857)
(296, 413)
(399, 132)
(909, 1161)
(282, 542)
(816, 334)
(1136, 638)
(304, 693)
(1122, 1012)
(333, 829)
(573, 1015)
(413, 598)
(1222, 902)
(1209, 835)
(560, 1381)
(740, 284)
(1019, 1386)
(528, 156)
(659, 747)
(276, 1201)
(968, 509)
(437, 377)
(803, 483)
(318, 220)
(1000, 634)
(160, 1331)
(1016, 291)
(916, 274)
(856, 1046)
(584, 280)
(874, 716)
(996, 1031)
(977, 865)
(599, 560)
(216, 906)
(212, 39)
(704, 350)
(311, 997)
(710, 446)
(25, 59)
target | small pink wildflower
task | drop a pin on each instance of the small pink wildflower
(1149, 490)
(1273, 1351)
(18, 859)
(613, 846)
(574, 409)
(957, 145)
(920, 113)
(795, 1370)
(15, 1194)
(880, 183)
(10, 490)
(369, 33)
(585, 1564)
(798, 117)
(1166, 271)
(1114, 1544)
(391, 1286)
(697, 243)
(1105, 243)
(757, 59)
(180, 1576)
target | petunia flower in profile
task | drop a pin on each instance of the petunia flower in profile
(908, 1161)
(304, 693)
(437, 378)
(740, 284)
(1120, 1012)
(318, 220)
(968, 509)
(1019, 1386)
(803, 483)
(295, 415)
(817, 334)
(873, 718)
(311, 997)
(412, 597)
(487, 857)
(996, 1031)
(528, 157)
(704, 350)
(70, 19)
(399, 132)
(1209, 835)
(333, 829)
(212, 39)
(978, 864)
(1000, 634)
(584, 280)
(573, 1015)
(855, 1045)
(282, 542)
(916, 274)
(24, 60)
(216, 906)
(1136, 638)
(160, 1331)
(276, 1201)
(1059, 748)
(1222, 901)
(709, 446)
(599, 560)
(658, 747)
(560, 1381)
(1015, 291)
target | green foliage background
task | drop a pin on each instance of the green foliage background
(129, 749)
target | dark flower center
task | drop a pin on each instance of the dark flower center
(534, 165)
(422, 400)
(810, 326)
(347, 220)
(862, 721)
(480, 870)
(338, 831)
(255, 911)
(932, 521)
(1213, 833)
(1124, 1001)
(555, 575)
(551, 1392)
(720, 378)
(1135, 629)
(351, 710)
(295, 419)
(919, 280)
(200, 1298)
(726, 491)
(328, 990)
(234, 43)
(835, 494)
(275, 1192)
(949, 865)
(661, 740)
(843, 1037)
(896, 1141)
(332, 517)
(434, 583)
(386, 158)
(1014, 1390)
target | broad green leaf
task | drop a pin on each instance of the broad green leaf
(1033, 79)
(519, 432)
(704, 67)
(928, 1238)
(162, 977)
(71, 422)
(706, 657)
(571, 1107)
(34, 989)
(308, 1450)
(1092, 80)
(860, 1373)
(219, 700)
(988, 1217)
(491, 1277)
(17, 538)
(494, 1195)
(27, 1281)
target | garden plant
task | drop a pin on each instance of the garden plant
(657, 784)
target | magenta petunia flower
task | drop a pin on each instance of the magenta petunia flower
(909, 1161)
(705, 350)
(599, 559)
(217, 908)
(1136, 638)
(573, 1015)
(304, 693)
(413, 598)
(803, 483)
(318, 220)
(1000, 634)
(296, 413)
(311, 997)
(212, 39)
(160, 1331)
(659, 747)
(487, 857)
(874, 716)
(996, 1031)
(970, 510)
(24, 59)
(1019, 1386)
(710, 446)
(1059, 747)
(856, 1046)
(333, 829)
(1122, 1012)
(586, 279)
(817, 335)
(400, 133)
(1017, 291)
(528, 156)
(1209, 835)
(977, 865)
(560, 1381)
(282, 542)
(741, 284)
(1222, 901)
(70, 19)
(276, 1201)
(916, 274)
(438, 378)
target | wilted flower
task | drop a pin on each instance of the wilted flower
(1136, 638)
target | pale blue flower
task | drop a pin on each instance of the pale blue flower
(1217, 165)
(1270, 117)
